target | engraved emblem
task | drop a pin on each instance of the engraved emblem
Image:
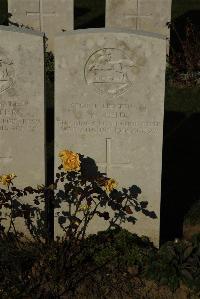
(110, 71)
(6, 73)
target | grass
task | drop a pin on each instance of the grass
(112, 264)
(192, 217)
(185, 100)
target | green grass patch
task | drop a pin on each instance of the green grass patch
(193, 215)
(185, 99)
(179, 7)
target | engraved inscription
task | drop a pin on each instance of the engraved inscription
(6, 72)
(12, 117)
(109, 127)
(110, 71)
(108, 119)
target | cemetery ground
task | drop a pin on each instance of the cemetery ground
(111, 264)
(118, 264)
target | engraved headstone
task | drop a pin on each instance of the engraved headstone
(22, 144)
(147, 15)
(109, 102)
(48, 16)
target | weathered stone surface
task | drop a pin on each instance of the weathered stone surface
(147, 15)
(22, 132)
(109, 102)
(48, 16)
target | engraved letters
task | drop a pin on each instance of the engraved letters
(12, 120)
(112, 119)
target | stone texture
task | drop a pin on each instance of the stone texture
(48, 16)
(22, 132)
(147, 15)
(109, 102)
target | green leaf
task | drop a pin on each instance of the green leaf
(131, 219)
(186, 274)
(61, 220)
(144, 204)
(128, 210)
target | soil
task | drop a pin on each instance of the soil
(141, 289)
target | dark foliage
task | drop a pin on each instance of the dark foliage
(177, 263)
(184, 59)
(29, 266)
(82, 196)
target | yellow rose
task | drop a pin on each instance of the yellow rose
(76, 223)
(110, 185)
(84, 208)
(6, 179)
(40, 187)
(70, 160)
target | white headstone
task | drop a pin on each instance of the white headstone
(22, 129)
(147, 15)
(48, 16)
(109, 103)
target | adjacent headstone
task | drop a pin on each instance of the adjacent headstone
(22, 129)
(48, 16)
(109, 103)
(147, 15)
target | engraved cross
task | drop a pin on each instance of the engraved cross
(41, 14)
(137, 16)
(6, 159)
(108, 164)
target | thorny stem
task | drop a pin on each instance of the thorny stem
(11, 218)
(116, 218)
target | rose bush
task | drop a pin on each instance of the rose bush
(83, 193)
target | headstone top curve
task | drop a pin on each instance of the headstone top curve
(112, 30)
(21, 30)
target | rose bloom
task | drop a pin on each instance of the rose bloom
(70, 160)
(6, 179)
(110, 185)
(84, 208)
